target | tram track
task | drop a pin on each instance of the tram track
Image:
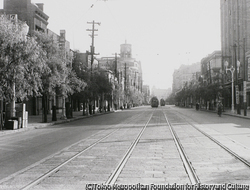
(55, 169)
(38, 180)
(182, 121)
(130, 144)
(186, 163)
(247, 163)
(112, 179)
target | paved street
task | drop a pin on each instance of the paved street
(89, 150)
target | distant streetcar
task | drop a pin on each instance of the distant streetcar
(162, 102)
(154, 102)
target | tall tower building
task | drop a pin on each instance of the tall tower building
(126, 51)
(235, 46)
(235, 33)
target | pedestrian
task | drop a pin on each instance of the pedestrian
(219, 108)
(197, 106)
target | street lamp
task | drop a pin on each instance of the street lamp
(232, 69)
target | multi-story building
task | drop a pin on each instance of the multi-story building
(125, 69)
(107, 63)
(160, 93)
(37, 20)
(235, 41)
(184, 74)
(129, 68)
(146, 94)
(26, 11)
(211, 68)
(81, 60)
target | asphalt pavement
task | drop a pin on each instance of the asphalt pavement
(147, 163)
(36, 121)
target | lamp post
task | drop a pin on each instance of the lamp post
(232, 69)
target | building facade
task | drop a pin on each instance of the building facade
(37, 20)
(129, 68)
(146, 94)
(26, 11)
(160, 93)
(211, 68)
(183, 75)
(129, 72)
(235, 44)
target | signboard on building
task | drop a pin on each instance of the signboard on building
(13, 17)
(237, 94)
(248, 70)
(248, 86)
(244, 91)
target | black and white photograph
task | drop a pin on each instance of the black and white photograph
(125, 94)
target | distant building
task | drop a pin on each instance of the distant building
(211, 68)
(128, 68)
(81, 59)
(146, 93)
(160, 93)
(184, 74)
(107, 63)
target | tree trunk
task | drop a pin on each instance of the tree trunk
(13, 102)
(44, 102)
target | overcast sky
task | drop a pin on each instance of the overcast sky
(163, 33)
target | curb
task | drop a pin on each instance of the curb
(42, 125)
(239, 116)
(230, 114)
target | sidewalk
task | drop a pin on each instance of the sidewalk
(35, 121)
(233, 114)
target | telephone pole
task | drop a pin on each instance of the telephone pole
(92, 52)
(92, 35)
(125, 89)
(116, 65)
(236, 81)
(245, 71)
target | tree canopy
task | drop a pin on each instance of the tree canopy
(21, 62)
(58, 76)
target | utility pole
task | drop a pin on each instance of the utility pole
(92, 48)
(116, 65)
(92, 52)
(125, 78)
(244, 77)
(236, 82)
(210, 75)
(125, 89)
(1, 120)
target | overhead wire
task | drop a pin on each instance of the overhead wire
(115, 21)
(80, 18)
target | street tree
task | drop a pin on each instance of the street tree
(84, 74)
(58, 78)
(101, 86)
(21, 63)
